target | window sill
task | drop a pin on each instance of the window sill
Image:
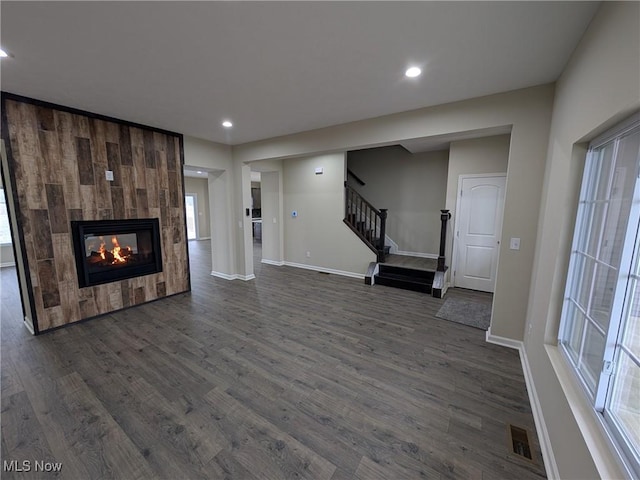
(604, 451)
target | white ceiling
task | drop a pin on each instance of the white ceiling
(194, 173)
(276, 68)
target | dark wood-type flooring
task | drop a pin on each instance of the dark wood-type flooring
(295, 374)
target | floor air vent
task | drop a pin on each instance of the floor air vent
(519, 440)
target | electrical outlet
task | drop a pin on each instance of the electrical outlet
(308, 254)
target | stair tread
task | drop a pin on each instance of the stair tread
(407, 284)
(401, 278)
(406, 272)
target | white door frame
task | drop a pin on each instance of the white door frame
(195, 213)
(454, 248)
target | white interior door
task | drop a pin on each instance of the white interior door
(478, 229)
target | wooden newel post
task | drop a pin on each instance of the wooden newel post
(444, 218)
(383, 228)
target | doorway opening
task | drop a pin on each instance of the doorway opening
(191, 207)
(256, 220)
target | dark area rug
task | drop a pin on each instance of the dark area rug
(473, 314)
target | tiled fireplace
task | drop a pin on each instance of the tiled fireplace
(106, 189)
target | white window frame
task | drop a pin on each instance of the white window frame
(620, 302)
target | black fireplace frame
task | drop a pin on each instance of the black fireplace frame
(80, 228)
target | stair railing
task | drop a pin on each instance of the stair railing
(366, 221)
(445, 216)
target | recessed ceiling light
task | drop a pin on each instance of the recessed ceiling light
(3, 54)
(199, 172)
(413, 72)
(227, 124)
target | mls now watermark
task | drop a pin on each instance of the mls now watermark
(29, 466)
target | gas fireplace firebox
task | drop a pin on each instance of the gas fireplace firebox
(111, 250)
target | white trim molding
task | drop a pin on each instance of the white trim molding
(416, 254)
(29, 325)
(7, 264)
(605, 452)
(226, 276)
(550, 464)
(234, 276)
(393, 246)
(272, 262)
(325, 270)
(504, 341)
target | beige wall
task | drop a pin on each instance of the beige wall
(411, 186)
(206, 155)
(475, 156)
(319, 228)
(200, 187)
(599, 87)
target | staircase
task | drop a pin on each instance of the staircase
(366, 221)
(369, 223)
(404, 277)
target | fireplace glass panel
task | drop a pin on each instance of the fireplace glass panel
(113, 250)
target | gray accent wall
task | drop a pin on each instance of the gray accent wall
(412, 186)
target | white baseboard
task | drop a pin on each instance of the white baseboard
(7, 264)
(417, 254)
(226, 276)
(504, 341)
(549, 458)
(204, 238)
(29, 325)
(550, 464)
(272, 262)
(234, 276)
(325, 270)
(393, 246)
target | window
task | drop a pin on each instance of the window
(600, 328)
(5, 232)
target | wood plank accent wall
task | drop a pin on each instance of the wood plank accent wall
(57, 161)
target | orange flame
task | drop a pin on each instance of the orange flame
(116, 251)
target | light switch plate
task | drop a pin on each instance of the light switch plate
(514, 244)
(109, 175)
